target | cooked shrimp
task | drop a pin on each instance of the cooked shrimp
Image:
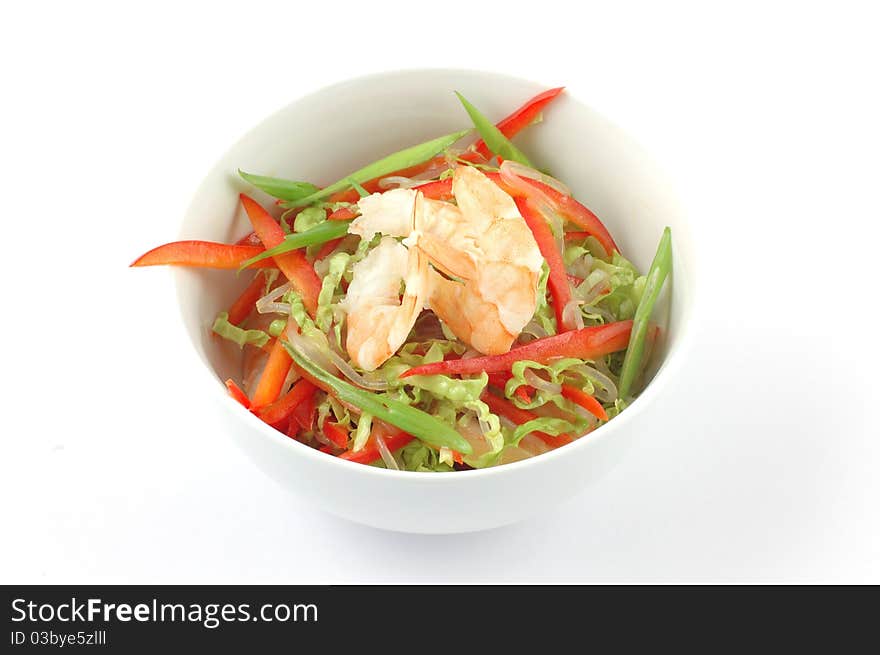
(378, 319)
(389, 213)
(483, 246)
(487, 248)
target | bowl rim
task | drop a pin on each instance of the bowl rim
(665, 372)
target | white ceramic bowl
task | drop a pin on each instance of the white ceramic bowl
(336, 130)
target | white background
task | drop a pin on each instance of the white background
(763, 468)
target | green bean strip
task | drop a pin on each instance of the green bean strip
(660, 268)
(278, 188)
(414, 421)
(321, 233)
(385, 166)
(495, 140)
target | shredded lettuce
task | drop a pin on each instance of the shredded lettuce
(560, 371)
(544, 313)
(307, 327)
(446, 456)
(618, 406)
(364, 427)
(416, 456)
(298, 310)
(329, 287)
(626, 284)
(336, 206)
(447, 398)
(330, 406)
(451, 395)
(309, 218)
(233, 333)
(459, 391)
(492, 432)
(277, 326)
(572, 253)
(270, 275)
(552, 426)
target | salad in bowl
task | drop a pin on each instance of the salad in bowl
(449, 306)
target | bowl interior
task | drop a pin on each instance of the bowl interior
(336, 130)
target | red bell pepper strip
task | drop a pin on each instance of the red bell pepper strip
(335, 433)
(505, 408)
(576, 236)
(585, 400)
(327, 248)
(244, 304)
(293, 264)
(511, 125)
(273, 376)
(557, 282)
(342, 214)
(206, 254)
(567, 207)
(437, 190)
(586, 343)
(352, 195)
(457, 457)
(281, 409)
(304, 414)
(370, 452)
(499, 381)
(236, 392)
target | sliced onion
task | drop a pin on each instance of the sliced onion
(601, 366)
(252, 369)
(608, 391)
(398, 182)
(571, 314)
(604, 313)
(600, 288)
(540, 383)
(507, 423)
(310, 350)
(329, 360)
(348, 371)
(510, 455)
(512, 174)
(267, 304)
(514, 168)
(292, 376)
(432, 173)
(387, 457)
(581, 267)
(535, 329)
(584, 414)
(322, 267)
(322, 439)
(470, 353)
(533, 445)
(275, 308)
